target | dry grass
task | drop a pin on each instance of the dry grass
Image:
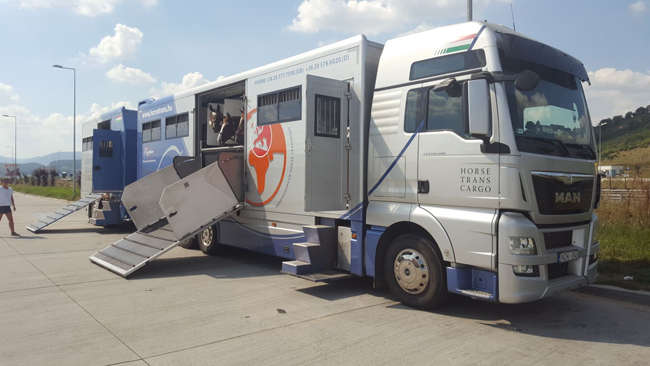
(625, 240)
(632, 158)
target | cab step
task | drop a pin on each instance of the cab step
(325, 276)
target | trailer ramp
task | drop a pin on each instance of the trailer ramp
(189, 206)
(66, 211)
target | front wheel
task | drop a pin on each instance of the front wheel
(208, 240)
(415, 273)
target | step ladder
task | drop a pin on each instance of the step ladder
(64, 212)
(316, 259)
(175, 209)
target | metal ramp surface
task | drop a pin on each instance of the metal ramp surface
(58, 215)
(134, 251)
(175, 211)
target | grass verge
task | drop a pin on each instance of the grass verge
(625, 243)
(64, 193)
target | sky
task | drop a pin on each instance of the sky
(125, 51)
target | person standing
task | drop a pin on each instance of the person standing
(7, 200)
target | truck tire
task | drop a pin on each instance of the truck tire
(415, 273)
(191, 243)
(207, 240)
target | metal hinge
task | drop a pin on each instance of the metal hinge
(346, 196)
(348, 94)
(347, 145)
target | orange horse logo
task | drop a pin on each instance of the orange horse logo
(267, 142)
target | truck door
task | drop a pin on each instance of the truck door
(326, 154)
(457, 182)
(108, 161)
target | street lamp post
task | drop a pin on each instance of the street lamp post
(74, 129)
(12, 157)
(15, 158)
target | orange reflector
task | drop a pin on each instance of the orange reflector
(274, 224)
(354, 236)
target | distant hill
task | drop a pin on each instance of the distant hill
(43, 160)
(626, 140)
(64, 165)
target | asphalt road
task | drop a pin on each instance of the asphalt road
(57, 308)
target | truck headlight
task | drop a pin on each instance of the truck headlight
(594, 238)
(522, 246)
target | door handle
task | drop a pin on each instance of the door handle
(423, 186)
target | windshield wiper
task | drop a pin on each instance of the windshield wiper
(549, 141)
(592, 154)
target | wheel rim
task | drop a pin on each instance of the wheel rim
(206, 237)
(411, 271)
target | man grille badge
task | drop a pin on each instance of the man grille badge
(567, 179)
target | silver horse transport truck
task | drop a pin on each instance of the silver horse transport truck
(456, 160)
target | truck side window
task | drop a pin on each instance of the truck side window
(445, 113)
(412, 118)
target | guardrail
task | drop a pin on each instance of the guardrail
(621, 194)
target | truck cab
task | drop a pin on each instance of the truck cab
(482, 148)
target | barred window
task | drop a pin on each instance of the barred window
(177, 126)
(151, 131)
(106, 149)
(280, 106)
(328, 116)
(87, 144)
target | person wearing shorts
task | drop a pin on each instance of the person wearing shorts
(7, 200)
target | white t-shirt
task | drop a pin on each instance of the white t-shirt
(5, 196)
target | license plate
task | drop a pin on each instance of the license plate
(567, 256)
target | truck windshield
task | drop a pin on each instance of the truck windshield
(552, 119)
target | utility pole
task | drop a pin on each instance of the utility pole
(469, 10)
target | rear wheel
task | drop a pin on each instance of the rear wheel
(415, 273)
(208, 240)
(190, 243)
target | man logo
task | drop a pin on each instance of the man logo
(567, 197)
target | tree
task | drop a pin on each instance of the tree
(618, 119)
(639, 111)
(53, 175)
(629, 115)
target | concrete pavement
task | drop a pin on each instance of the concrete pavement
(57, 308)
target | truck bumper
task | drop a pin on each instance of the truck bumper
(550, 276)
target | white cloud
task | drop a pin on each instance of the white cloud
(638, 7)
(124, 74)
(90, 8)
(373, 17)
(189, 81)
(616, 92)
(7, 94)
(424, 26)
(150, 3)
(40, 136)
(96, 110)
(120, 46)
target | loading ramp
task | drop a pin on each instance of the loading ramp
(48, 220)
(171, 206)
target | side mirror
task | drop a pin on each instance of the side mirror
(476, 107)
(526, 81)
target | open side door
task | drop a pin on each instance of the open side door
(168, 209)
(205, 197)
(108, 162)
(326, 142)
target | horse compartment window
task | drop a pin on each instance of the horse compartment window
(87, 144)
(177, 126)
(279, 106)
(151, 131)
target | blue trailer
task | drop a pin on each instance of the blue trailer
(109, 164)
